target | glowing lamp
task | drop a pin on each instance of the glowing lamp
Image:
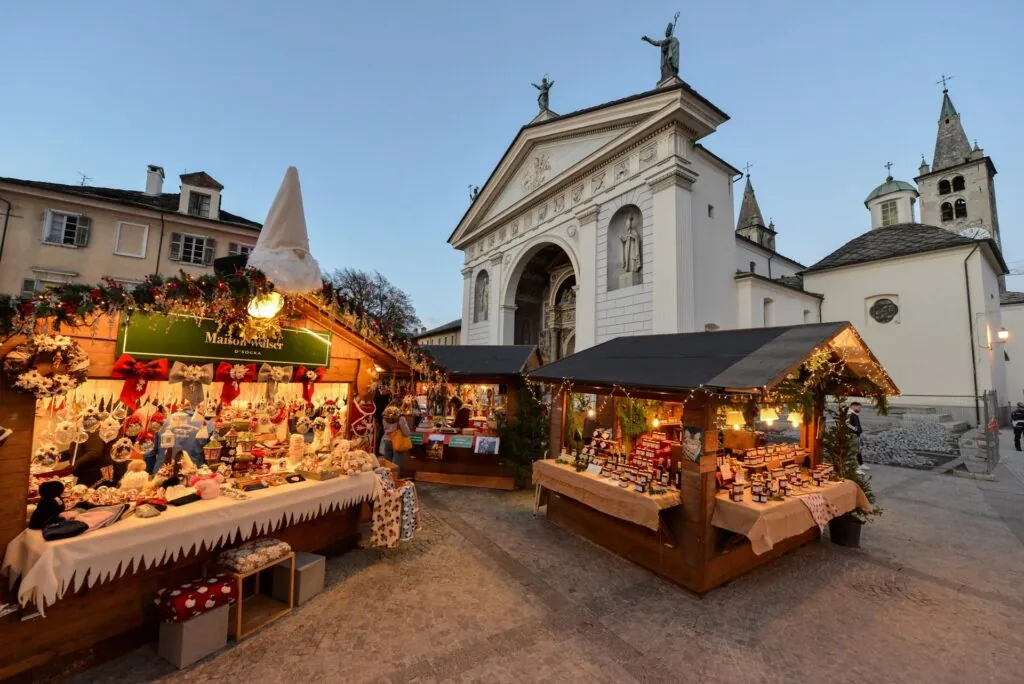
(378, 369)
(1003, 335)
(266, 306)
(591, 413)
(796, 419)
(734, 419)
(655, 423)
(768, 416)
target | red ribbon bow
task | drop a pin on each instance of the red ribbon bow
(136, 375)
(308, 376)
(233, 385)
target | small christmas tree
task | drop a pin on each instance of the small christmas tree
(841, 449)
(525, 439)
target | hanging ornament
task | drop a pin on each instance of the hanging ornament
(109, 429)
(233, 375)
(137, 376)
(308, 377)
(120, 412)
(146, 442)
(122, 449)
(203, 432)
(192, 377)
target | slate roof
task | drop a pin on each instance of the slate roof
(447, 327)
(951, 144)
(482, 360)
(166, 202)
(905, 239)
(1011, 298)
(750, 212)
(745, 359)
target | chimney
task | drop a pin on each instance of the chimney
(154, 180)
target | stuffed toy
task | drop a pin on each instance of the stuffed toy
(136, 478)
(50, 506)
(207, 487)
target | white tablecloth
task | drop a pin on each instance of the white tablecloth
(47, 569)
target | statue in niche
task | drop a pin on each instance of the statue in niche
(482, 291)
(542, 96)
(669, 51)
(474, 191)
(631, 258)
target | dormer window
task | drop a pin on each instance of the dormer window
(198, 204)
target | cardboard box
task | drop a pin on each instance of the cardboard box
(183, 643)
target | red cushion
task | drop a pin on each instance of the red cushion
(196, 597)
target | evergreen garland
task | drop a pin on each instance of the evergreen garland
(525, 439)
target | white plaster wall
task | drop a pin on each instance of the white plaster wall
(1013, 320)
(788, 305)
(926, 352)
(714, 244)
(625, 311)
(988, 321)
(745, 253)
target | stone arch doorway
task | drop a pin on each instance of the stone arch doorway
(542, 295)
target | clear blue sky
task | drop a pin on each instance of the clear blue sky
(390, 109)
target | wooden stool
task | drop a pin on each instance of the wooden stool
(249, 614)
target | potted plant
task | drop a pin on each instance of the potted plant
(841, 449)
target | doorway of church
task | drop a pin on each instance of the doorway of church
(545, 304)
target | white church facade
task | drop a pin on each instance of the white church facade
(618, 220)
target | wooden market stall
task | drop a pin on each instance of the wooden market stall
(674, 476)
(487, 380)
(102, 606)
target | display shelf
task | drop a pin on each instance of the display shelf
(250, 613)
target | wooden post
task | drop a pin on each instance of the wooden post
(557, 428)
(817, 449)
(17, 413)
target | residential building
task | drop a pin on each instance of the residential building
(448, 334)
(55, 233)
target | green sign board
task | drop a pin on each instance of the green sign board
(416, 438)
(199, 341)
(461, 442)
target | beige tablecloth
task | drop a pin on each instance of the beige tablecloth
(48, 569)
(604, 495)
(766, 524)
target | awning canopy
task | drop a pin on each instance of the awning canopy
(745, 360)
(475, 363)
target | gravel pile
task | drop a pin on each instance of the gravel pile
(901, 446)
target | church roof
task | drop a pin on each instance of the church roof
(1006, 298)
(905, 239)
(750, 212)
(951, 144)
(888, 187)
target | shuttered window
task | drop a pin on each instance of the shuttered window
(67, 230)
(192, 249)
(236, 248)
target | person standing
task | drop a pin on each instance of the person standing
(395, 441)
(381, 399)
(853, 420)
(1017, 419)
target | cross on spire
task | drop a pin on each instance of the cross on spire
(746, 169)
(943, 82)
(888, 168)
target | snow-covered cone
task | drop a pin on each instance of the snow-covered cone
(282, 250)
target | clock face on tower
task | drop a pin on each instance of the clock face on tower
(975, 233)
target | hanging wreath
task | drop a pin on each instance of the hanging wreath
(47, 365)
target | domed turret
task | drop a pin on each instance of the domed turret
(891, 203)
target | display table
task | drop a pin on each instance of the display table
(460, 463)
(48, 569)
(766, 524)
(604, 495)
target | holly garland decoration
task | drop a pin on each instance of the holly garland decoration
(224, 298)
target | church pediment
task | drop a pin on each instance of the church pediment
(546, 161)
(546, 154)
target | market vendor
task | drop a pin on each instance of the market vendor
(462, 413)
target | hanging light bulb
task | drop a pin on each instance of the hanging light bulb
(266, 306)
(768, 416)
(734, 419)
(655, 423)
(796, 418)
(591, 413)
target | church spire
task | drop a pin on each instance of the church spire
(951, 144)
(751, 222)
(750, 212)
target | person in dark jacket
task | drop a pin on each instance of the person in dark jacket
(1017, 418)
(854, 422)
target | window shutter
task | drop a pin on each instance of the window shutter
(232, 249)
(28, 288)
(82, 232)
(47, 226)
(174, 253)
(209, 251)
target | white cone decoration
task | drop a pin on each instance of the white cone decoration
(282, 250)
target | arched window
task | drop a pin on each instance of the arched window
(943, 187)
(947, 211)
(960, 208)
(958, 184)
(481, 295)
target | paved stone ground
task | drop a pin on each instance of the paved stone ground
(487, 593)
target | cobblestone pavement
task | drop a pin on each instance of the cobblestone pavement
(487, 593)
